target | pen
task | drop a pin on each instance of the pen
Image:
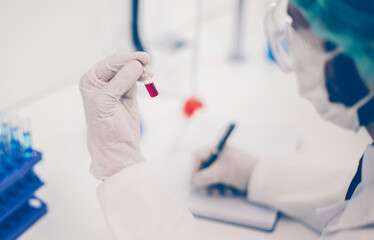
(219, 147)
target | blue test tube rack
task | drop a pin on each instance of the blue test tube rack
(19, 208)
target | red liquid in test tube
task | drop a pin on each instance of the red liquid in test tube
(151, 88)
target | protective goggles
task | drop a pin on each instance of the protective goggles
(287, 43)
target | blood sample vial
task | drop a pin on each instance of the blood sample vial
(151, 88)
(149, 85)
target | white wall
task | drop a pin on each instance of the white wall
(46, 44)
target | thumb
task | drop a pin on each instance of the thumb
(123, 81)
(207, 177)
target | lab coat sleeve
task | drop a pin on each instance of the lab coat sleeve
(297, 188)
(136, 207)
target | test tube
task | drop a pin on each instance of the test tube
(27, 149)
(15, 138)
(149, 85)
(7, 159)
(2, 160)
(5, 133)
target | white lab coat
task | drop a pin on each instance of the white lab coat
(137, 207)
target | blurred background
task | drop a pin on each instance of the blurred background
(47, 45)
(214, 50)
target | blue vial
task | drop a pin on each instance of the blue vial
(5, 135)
(7, 158)
(2, 167)
(15, 144)
(27, 148)
(8, 161)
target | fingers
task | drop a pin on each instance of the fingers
(200, 156)
(222, 190)
(148, 71)
(207, 176)
(147, 74)
(123, 80)
(107, 69)
(97, 77)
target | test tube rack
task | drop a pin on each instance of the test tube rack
(19, 208)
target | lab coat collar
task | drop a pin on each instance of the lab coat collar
(328, 214)
(359, 211)
(368, 167)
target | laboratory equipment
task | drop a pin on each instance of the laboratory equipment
(27, 150)
(15, 139)
(6, 159)
(238, 52)
(19, 208)
(135, 28)
(191, 105)
(149, 85)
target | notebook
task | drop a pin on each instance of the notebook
(206, 130)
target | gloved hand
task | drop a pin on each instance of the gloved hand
(109, 97)
(233, 168)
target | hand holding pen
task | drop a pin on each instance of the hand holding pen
(217, 151)
(223, 167)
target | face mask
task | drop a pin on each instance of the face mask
(309, 56)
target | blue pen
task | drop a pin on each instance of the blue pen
(217, 151)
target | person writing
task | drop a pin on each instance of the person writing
(330, 47)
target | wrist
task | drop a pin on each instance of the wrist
(106, 165)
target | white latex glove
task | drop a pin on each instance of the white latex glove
(232, 168)
(109, 97)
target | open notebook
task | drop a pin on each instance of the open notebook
(206, 130)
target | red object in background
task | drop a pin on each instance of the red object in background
(191, 105)
(151, 88)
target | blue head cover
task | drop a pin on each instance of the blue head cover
(347, 23)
